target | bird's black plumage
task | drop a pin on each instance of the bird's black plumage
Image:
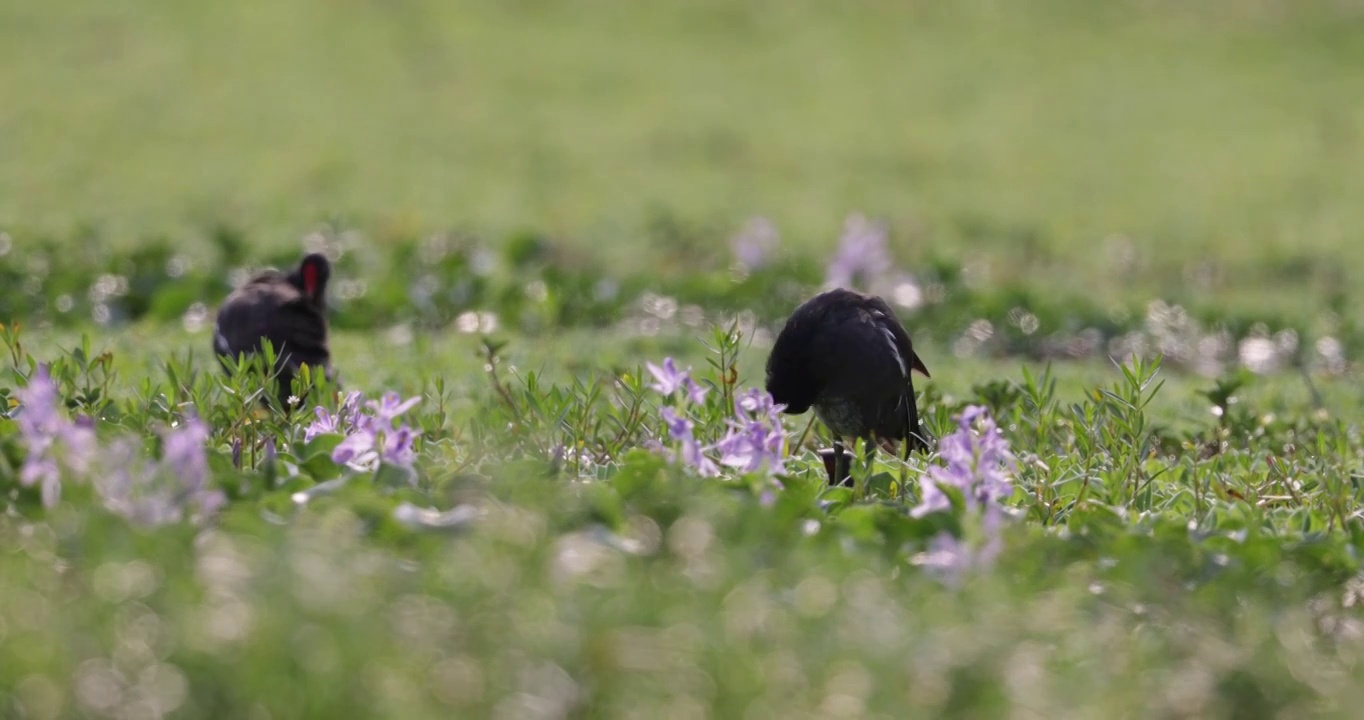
(289, 310)
(846, 355)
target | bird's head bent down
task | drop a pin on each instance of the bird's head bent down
(846, 355)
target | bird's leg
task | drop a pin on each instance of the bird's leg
(835, 464)
(840, 464)
(830, 458)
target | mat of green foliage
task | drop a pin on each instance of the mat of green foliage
(1168, 549)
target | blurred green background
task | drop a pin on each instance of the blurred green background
(1108, 146)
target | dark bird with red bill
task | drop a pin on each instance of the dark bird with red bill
(289, 310)
(846, 354)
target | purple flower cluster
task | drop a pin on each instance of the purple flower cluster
(689, 450)
(148, 493)
(978, 463)
(950, 558)
(754, 439)
(372, 433)
(157, 493)
(347, 417)
(863, 257)
(49, 438)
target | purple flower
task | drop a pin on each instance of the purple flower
(946, 557)
(44, 470)
(398, 446)
(39, 400)
(932, 499)
(950, 558)
(349, 412)
(357, 450)
(370, 439)
(978, 463)
(345, 418)
(756, 402)
(186, 459)
(667, 379)
(767, 498)
(48, 436)
(144, 492)
(696, 394)
(157, 493)
(755, 242)
(391, 405)
(689, 450)
(324, 424)
(693, 456)
(184, 452)
(40, 427)
(747, 451)
(756, 437)
(123, 484)
(679, 427)
(862, 257)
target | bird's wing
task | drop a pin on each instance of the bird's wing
(899, 419)
(885, 380)
(242, 322)
(896, 336)
(297, 332)
(856, 355)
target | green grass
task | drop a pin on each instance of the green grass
(1180, 542)
(1140, 570)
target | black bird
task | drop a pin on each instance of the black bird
(289, 310)
(845, 354)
